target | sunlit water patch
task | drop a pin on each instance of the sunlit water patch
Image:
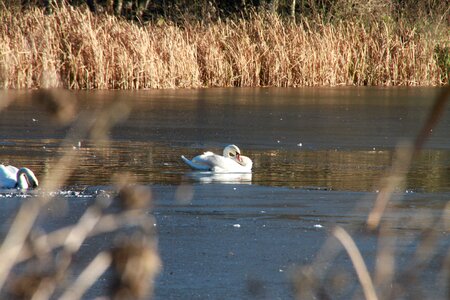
(160, 163)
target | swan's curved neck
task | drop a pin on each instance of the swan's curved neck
(26, 179)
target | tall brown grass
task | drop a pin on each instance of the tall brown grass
(76, 49)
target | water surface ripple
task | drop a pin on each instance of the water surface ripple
(319, 155)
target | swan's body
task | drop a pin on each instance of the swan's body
(12, 177)
(232, 161)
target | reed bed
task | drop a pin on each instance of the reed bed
(76, 49)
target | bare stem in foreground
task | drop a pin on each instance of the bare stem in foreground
(403, 158)
(88, 277)
(358, 262)
(49, 257)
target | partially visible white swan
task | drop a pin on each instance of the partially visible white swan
(12, 177)
(232, 161)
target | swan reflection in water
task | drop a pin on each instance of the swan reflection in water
(227, 178)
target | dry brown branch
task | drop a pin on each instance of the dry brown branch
(428, 231)
(391, 183)
(358, 262)
(434, 116)
(107, 223)
(403, 158)
(88, 277)
(22, 245)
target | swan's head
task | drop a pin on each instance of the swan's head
(26, 179)
(233, 152)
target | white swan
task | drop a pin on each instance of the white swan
(12, 177)
(232, 161)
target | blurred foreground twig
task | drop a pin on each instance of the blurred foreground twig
(403, 158)
(389, 282)
(50, 255)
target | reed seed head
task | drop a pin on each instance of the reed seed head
(136, 263)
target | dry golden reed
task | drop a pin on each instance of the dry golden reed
(76, 49)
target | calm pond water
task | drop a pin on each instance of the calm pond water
(335, 138)
(318, 153)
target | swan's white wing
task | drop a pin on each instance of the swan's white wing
(12, 170)
(8, 176)
(209, 161)
(246, 163)
(196, 165)
(231, 165)
(214, 161)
